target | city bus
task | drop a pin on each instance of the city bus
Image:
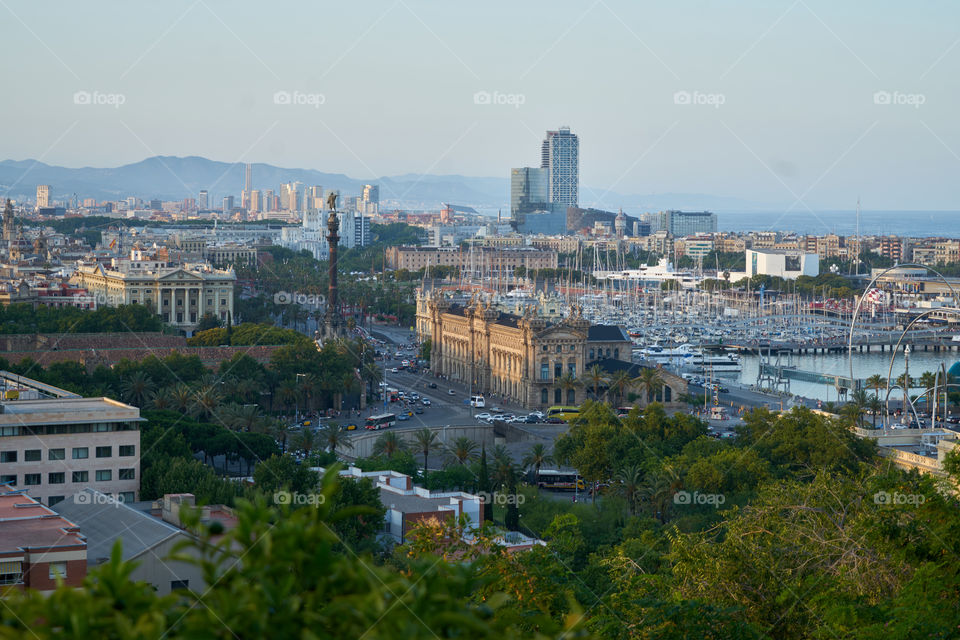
(559, 480)
(564, 413)
(381, 421)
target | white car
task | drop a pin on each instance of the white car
(394, 370)
(539, 415)
(483, 416)
(425, 402)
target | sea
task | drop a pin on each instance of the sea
(802, 221)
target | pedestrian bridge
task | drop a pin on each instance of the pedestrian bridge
(790, 372)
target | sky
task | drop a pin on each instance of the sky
(801, 103)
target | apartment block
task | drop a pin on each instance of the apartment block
(53, 443)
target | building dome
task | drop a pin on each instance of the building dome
(954, 371)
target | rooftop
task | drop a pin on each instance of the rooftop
(27, 524)
(66, 411)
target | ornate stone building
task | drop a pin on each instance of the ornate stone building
(524, 357)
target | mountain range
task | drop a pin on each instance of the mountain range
(175, 178)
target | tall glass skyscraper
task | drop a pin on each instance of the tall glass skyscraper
(560, 156)
(528, 190)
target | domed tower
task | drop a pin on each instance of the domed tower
(620, 224)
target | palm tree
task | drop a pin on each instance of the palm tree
(658, 490)
(876, 382)
(629, 484)
(502, 466)
(245, 417)
(425, 441)
(306, 441)
(619, 384)
(333, 437)
(181, 397)
(596, 377)
(649, 382)
(288, 393)
(136, 388)
(853, 410)
(161, 399)
(567, 382)
(875, 406)
(206, 401)
(388, 444)
(307, 386)
(536, 458)
(463, 450)
(928, 380)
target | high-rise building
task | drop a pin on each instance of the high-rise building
(560, 156)
(248, 178)
(227, 204)
(203, 200)
(255, 204)
(528, 190)
(314, 198)
(369, 201)
(268, 201)
(43, 196)
(680, 224)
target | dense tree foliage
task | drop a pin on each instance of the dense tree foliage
(23, 318)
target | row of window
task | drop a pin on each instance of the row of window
(558, 396)
(65, 429)
(573, 347)
(557, 369)
(594, 354)
(78, 453)
(123, 496)
(60, 477)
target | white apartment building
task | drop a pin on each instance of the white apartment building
(54, 443)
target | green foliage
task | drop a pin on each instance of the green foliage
(282, 473)
(246, 334)
(23, 318)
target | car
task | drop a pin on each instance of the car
(394, 370)
(496, 410)
(403, 417)
(432, 385)
(530, 420)
(351, 427)
(554, 421)
(483, 416)
(451, 392)
(425, 402)
(414, 396)
(418, 410)
(537, 414)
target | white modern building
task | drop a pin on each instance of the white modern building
(781, 263)
(560, 156)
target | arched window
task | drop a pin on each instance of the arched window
(667, 394)
(591, 354)
(544, 370)
(558, 395)
(543, 396)
(571, 396)
(616, 353)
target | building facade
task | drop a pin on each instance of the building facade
(481, 260)
(560, 156)
(53, 447)
(180, 294)
(687, 223)
(525, 358)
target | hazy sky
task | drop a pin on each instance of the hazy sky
(777, 100)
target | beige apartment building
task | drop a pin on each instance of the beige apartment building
(54, 446)
(485, 259)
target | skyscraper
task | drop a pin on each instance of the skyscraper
(528, 190)
(248, 178)
(255, 204)
(228, 204)
(560, 156)
(687, 223)
(43, 196)
(315, 198)
(203, 201)
(268, 201)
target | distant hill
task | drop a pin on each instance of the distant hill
(175, 178)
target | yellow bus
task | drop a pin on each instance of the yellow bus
(560, 480)
(564, 413)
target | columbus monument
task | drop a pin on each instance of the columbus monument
(332, 324)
